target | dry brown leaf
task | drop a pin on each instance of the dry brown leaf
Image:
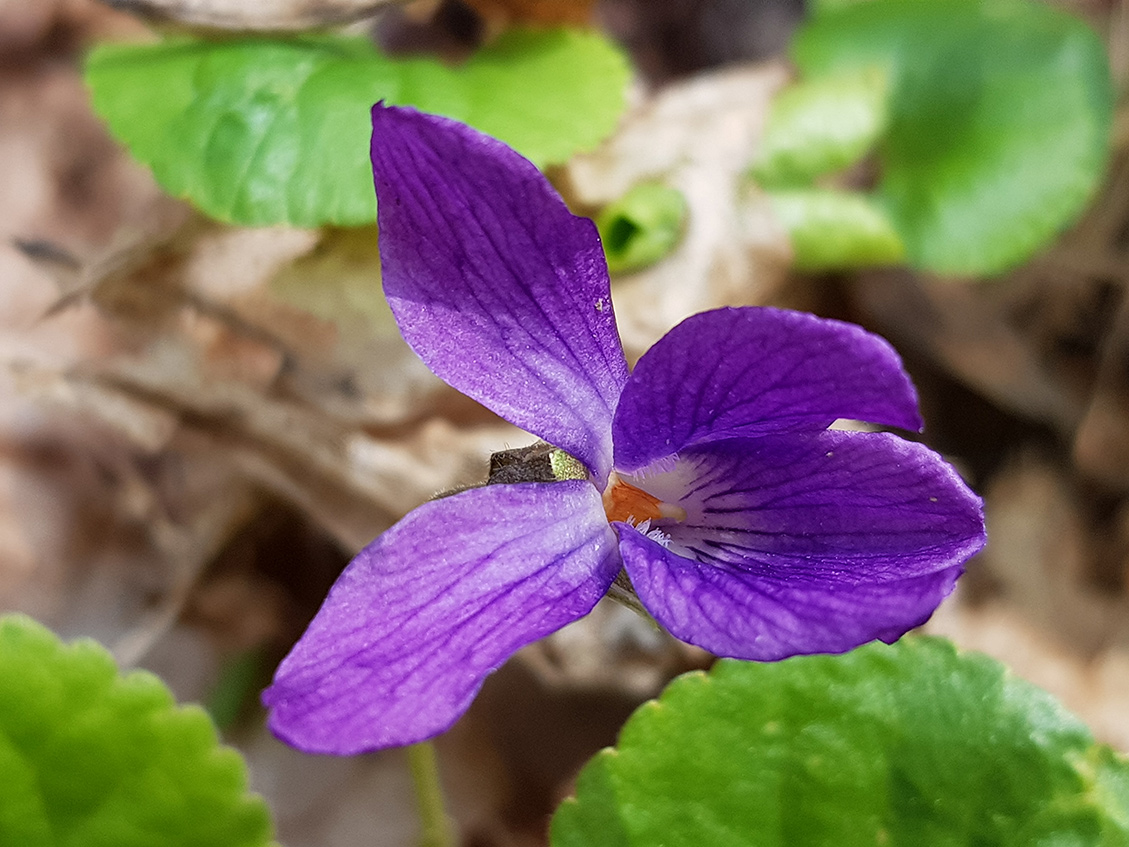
(23, 23)
(367, 373)
(330, 801)
(963, 331)
(145, 426)
(1101, 442)
(1038, 555)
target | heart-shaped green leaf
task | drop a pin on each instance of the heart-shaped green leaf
(901, 746)
(996, 124)
(89, 758)
(271, 131)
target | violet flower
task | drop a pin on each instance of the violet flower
(708, 473)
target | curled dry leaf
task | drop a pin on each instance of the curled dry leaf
(276, 15)
(698, 137)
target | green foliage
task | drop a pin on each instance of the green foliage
(89, 758)
(822, 125)
(904, 745)
(641, 227)
(836, 229)
(997, 120)
(272, 131)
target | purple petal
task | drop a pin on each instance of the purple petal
(864, 506)
(732, 613)
(429, 609)
(501, 291)
(752, 371)
(803, 542)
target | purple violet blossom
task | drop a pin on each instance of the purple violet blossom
(708, 473)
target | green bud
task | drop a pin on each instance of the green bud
(642, 226)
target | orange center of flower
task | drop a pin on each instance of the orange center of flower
(624, 502)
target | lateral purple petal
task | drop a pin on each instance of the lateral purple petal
(501, 291)
(752, 371)
(428, 610)
(743, 615)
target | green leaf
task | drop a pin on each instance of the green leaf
(89, 758)
(904, 745)
(641, 227)
(820, 7)
(270, 131)
(998, 120)
(822, 125)
(836, 229)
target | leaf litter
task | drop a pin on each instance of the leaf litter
(200, 424)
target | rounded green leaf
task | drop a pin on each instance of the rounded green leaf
(998, 119)
(901, 746)
(89, 758)
(270, 131)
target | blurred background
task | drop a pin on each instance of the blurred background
(200, 423)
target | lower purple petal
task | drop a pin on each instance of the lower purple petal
(848, 506)
(428, 610)
(803, 543)
(746, 616)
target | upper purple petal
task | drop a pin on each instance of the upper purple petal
(803, 542)
(753, 371)
(501, 291)
(730, 612)
(424, 613)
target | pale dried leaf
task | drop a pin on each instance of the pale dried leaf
(280, 15)
(145, 426)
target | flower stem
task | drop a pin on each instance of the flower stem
(435, 828)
